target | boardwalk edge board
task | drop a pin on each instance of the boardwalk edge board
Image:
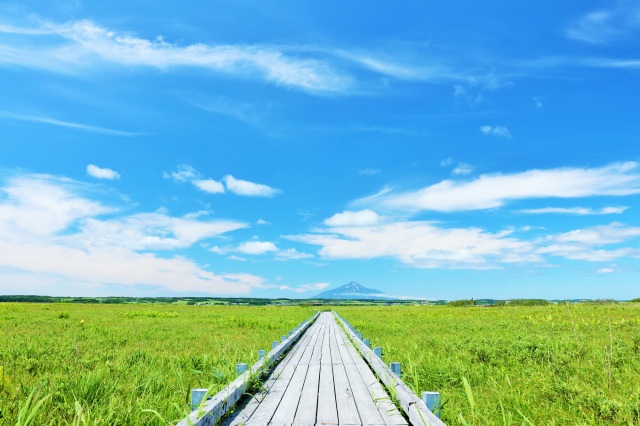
(217, 406)
(411, 404)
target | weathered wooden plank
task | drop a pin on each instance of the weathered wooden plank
(347, 410)
(286, 411)
(308, 404)
(327, 409)
(411, 404)
(244, 412)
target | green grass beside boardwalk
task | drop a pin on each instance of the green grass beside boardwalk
(559, 364)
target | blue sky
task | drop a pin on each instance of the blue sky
(275, 149)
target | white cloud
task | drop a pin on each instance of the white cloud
(209, 185)
(582, 211)
(446, 162)
(491, 191)
(183, 173)
(249, 189)
(462, 169)
(74, 45)
(257, 247)
(305, 287)
(605, 270)
(102, 173)
(68, 124)
(55, 238)
(612, 233)
(421, 244)
(349, 218)
(497, 131)
(604, 26)
(292, 254)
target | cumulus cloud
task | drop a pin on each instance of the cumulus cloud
(183, 173)
(102, 173)
(71, 46)
(350, 218)
(249, 189)
(187, 173)
(498, 131)
(53, 235)
(292, 254)
(209, 185)
(421, 244)
(495, 190)
(257, 247)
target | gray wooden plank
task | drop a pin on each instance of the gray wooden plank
(347, 410)
(327, 409)
(248, 406)
(308, 404)
(286, 411)
(269, 404)
(374, 404)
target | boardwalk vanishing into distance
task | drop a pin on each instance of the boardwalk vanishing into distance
(322, 380)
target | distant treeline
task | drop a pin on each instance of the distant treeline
(289, 302)
(526, 302)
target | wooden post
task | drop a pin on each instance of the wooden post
(241, 368)
(359, 335)
(260, 354)
(378, 351)
(274, 344)
(395, 367)
(432, 401)
(284, 338)
(367, 342)
(197, 395)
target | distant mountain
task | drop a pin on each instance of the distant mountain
(354, 290)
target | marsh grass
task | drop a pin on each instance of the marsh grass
(125, 364)
(522, 365)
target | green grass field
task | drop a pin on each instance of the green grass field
(575, 364)
(107, 364)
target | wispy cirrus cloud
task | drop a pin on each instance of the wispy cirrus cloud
(580, 211)
(495, 190)
(606, 25)
(53, 234)
(68, 124)
(65, 47)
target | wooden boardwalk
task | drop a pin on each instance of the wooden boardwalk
(323, 380)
